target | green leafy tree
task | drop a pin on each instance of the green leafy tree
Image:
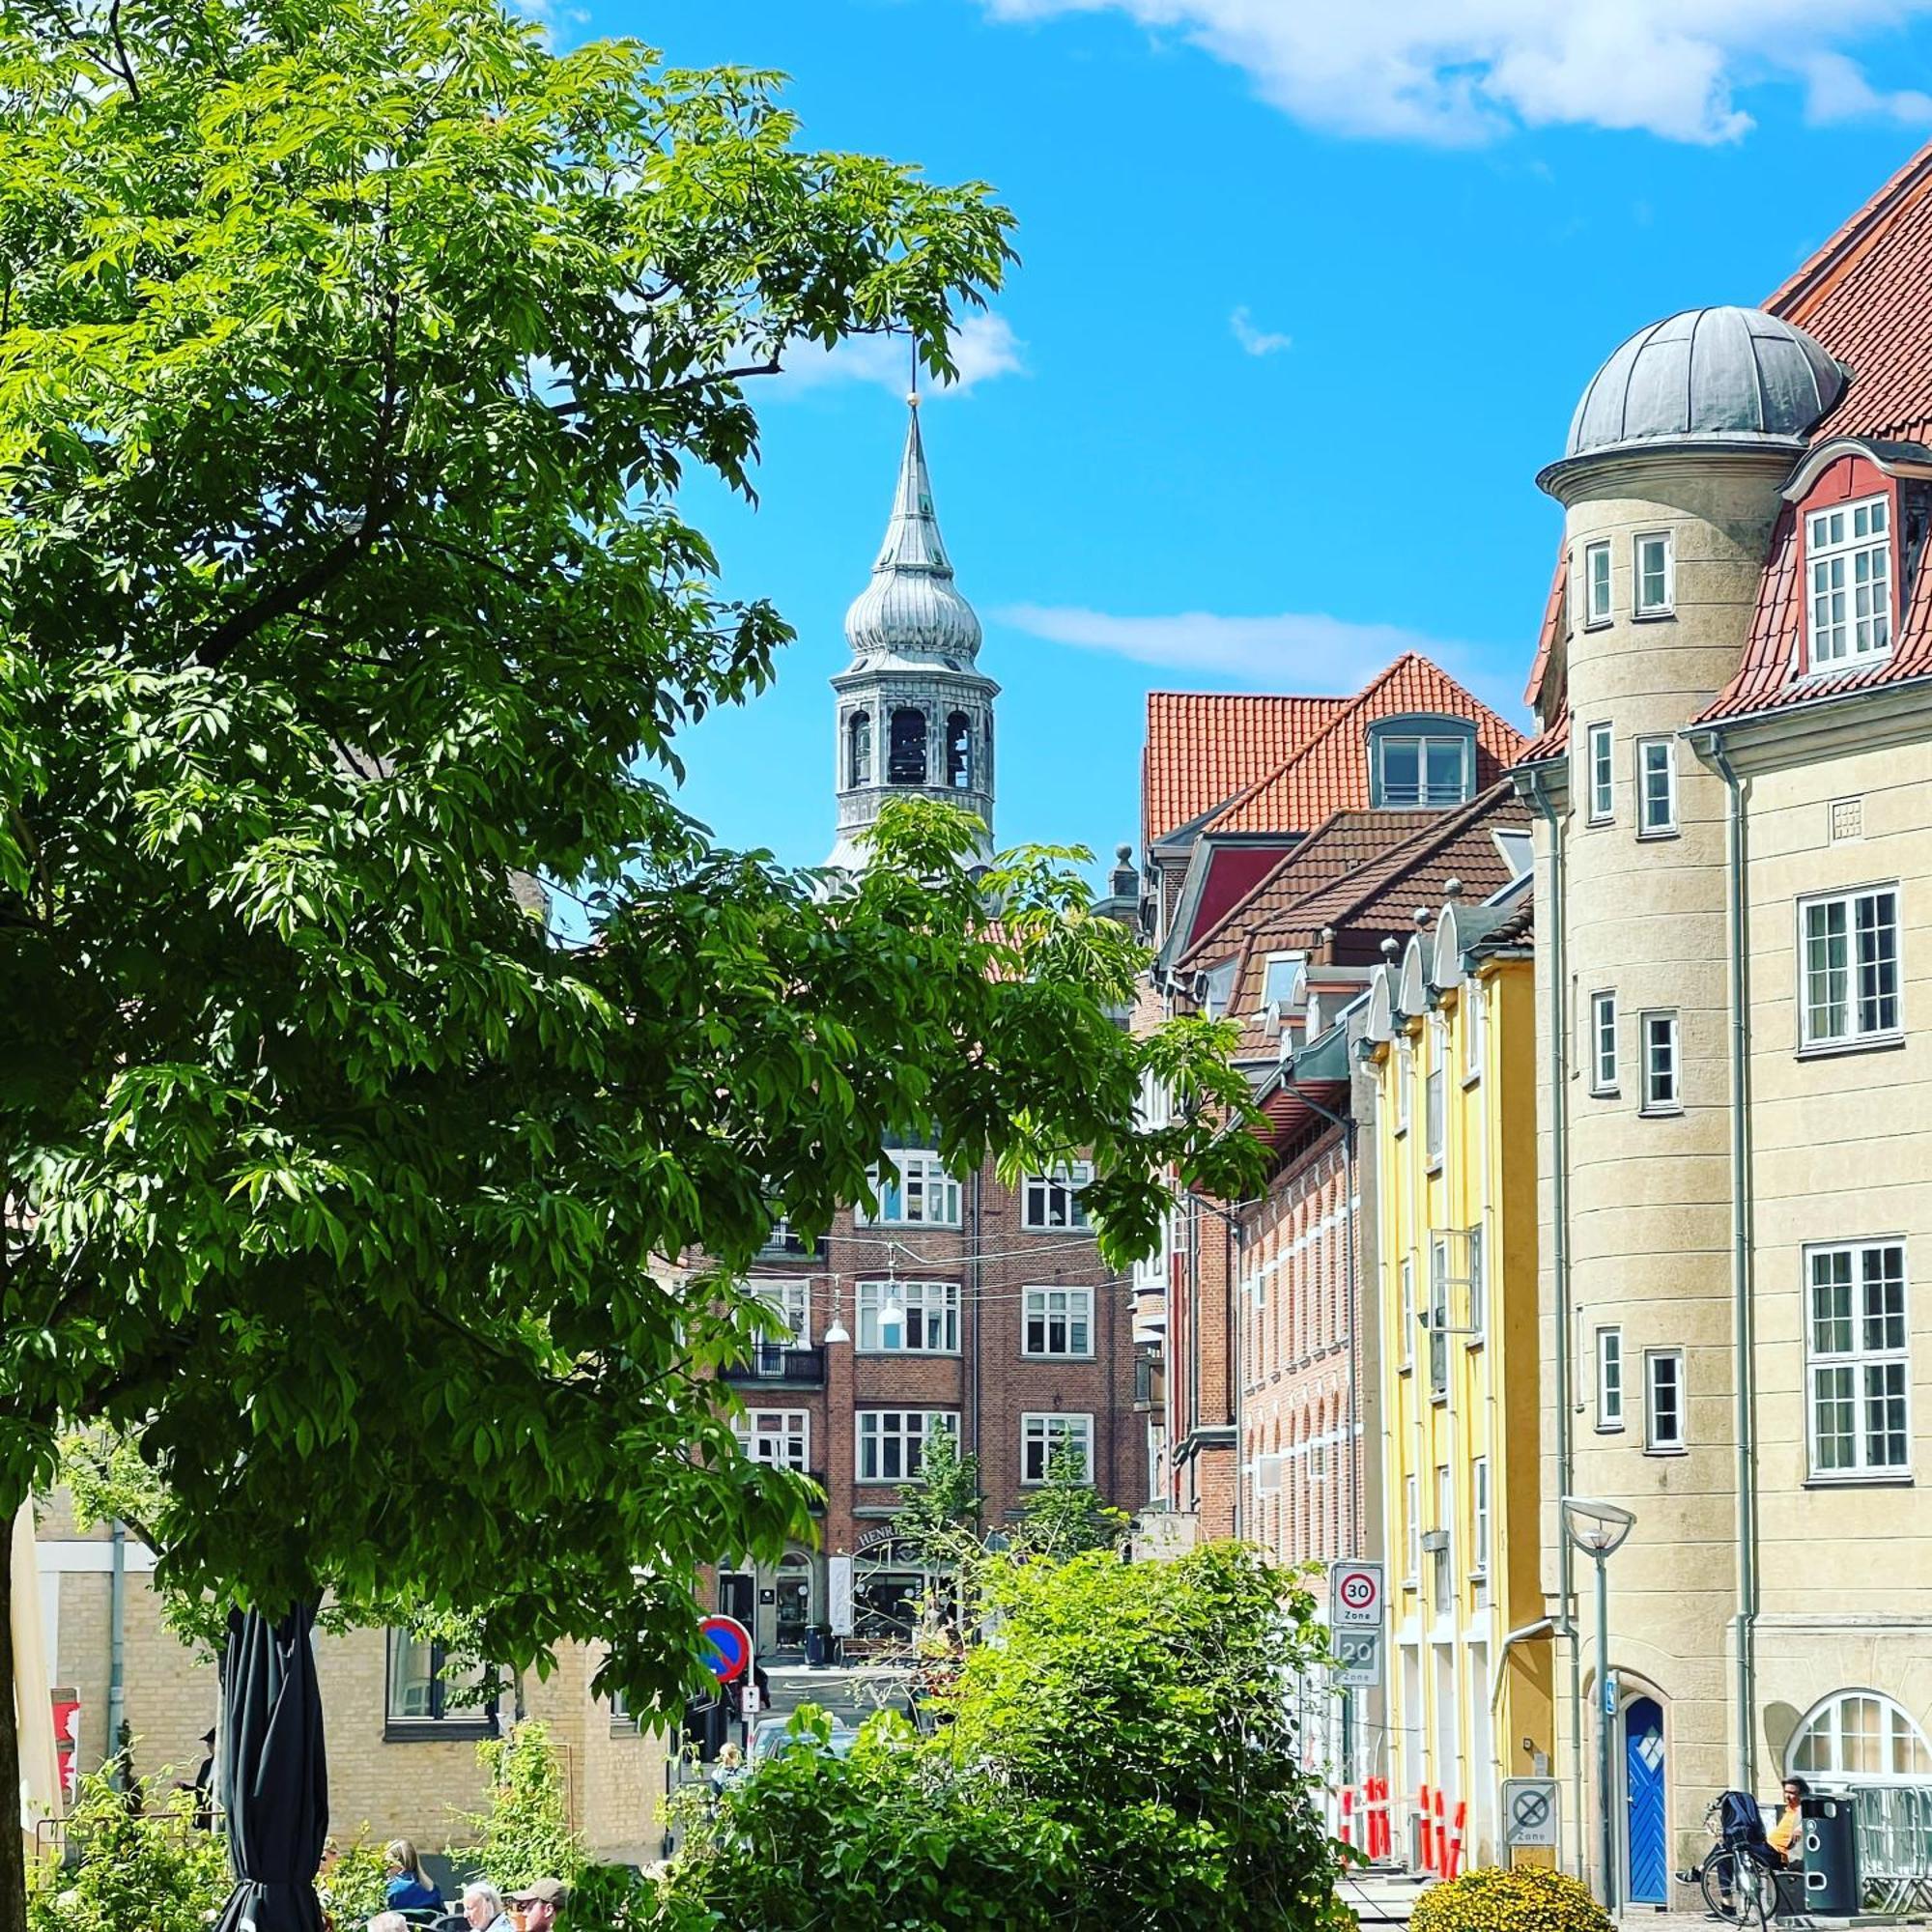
(1066, 1515)
(1121, 1758)
(350, 355)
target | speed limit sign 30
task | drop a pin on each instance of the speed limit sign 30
(1356, 1595)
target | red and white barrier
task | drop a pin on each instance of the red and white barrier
(1452, 1864)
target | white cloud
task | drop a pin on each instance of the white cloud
(1256, 341)
(1294, 651)
(1466, 70)
(983, 347)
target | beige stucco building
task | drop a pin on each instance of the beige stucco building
(1734, 783)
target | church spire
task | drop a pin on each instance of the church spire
(911, 608)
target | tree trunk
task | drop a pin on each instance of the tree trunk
(12, 1849)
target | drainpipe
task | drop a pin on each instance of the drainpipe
(1744, 1369)
(116, 1639)
(975, 1243)
(1559, 1258)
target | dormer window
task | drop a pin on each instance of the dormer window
(1216, 986)
(1848, 574)
(1422, 761)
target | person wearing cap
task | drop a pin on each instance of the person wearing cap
(203, 1786)
(539, 1903)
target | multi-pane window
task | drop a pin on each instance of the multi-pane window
(1042, 1435)
(1408, 1313)
(1859, 1735)
(1475, 1022)
(1478, 1292)
(1278, 982)
(789, 1299)
(1662, 1081)
(891, 1441)
(912, 1187)
(1423, 769)
(1596, 583)
(1859, 1359)
(1601, 775)
(1411, 1532)
(1609, 1377)
(1479, 1482)
(1442, 1584)
(1602, 1042)
(1663, 1399)
(429, 1686)
(1060, 1321)
(1652, 572)
(1656, 787)
(1850, 943)
(1848, 565)
(1052, 1199)
(779, 1436)
(1404, 1074)
(919, 1318)
(1438, 1316)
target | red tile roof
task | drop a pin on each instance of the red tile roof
(1203, 747)
(1550, 639)
(1866, 296)
(1330, 772)
(1552, 742)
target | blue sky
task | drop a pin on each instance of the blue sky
(1308, 293)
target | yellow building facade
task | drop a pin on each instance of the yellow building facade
(1452, 1035)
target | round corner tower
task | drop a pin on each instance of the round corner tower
(914, 713)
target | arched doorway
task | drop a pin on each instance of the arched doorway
(792, 1612)
(1646, 1808)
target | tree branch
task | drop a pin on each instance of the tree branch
(120, 49)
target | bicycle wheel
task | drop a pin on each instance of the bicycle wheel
(1753, 1894)
(1716, 1876)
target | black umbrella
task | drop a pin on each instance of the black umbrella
(273, 1773)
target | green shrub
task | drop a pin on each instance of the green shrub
(355, 1883)
(139, 1862)
(526, 1834)
(609, 1898)
(1527, 1899)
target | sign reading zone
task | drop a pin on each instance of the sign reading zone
(1356, 1595)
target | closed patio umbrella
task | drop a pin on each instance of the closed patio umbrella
(274, 1776)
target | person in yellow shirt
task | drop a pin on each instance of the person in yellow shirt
(1784, 1834)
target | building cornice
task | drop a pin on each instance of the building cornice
(1880, 716)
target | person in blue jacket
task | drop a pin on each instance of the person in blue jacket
(410, 1886)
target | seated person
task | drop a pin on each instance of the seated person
(483, 1908)
(1784, 1835)
(410, 1887)
(388, 1921)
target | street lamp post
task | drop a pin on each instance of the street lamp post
(1599, 1530)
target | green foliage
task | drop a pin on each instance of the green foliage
(145, 1866)
(350, 355)
(354, 1880)
(1066, 1515)
(609, 1898)
(1493, 1899)
(525, 1833)
(1121, 1757)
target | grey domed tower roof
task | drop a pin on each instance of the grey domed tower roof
(909, 609)
(1709, 375)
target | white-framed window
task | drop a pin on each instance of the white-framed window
(1655, 788)
(1653, 573)
(1278, 981)
(1859, 1360)
(1596, 585)
(1434, 1100)
(1405, 1075)
(1041, 1435)
(1409, 1311)
(1663, 1400)
(779, 1436)
(1600, 775)
(1602, 1042)
(1663, 1078)
(1479, 1485)
(1475, 1024)
(1438, 1318)
(1423, 769)
(1848, 575)
(789, 1299)
(1850, 967)
(1442, 1585)
(1059, 1322)
(1858, 1737)
(891, 1441)
(1609, 1377)
(1052, 1199)
(429, 1686)
(1479, 1288)
(914, 1188)
(1411, 1510)
(928, 1316)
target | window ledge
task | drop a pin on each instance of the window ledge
(1671, 1112)
(437, 1730)
(1834, 1049)
(1435, 1166)
(1655, 833)
(1862, 1479)
(1476, 1341)
(1667, 1449)
(1606, 819)
(1072, 1228)
(1470, 1080)
(1666, 614)
(1849, 665)
(1610, 1428)
(1051, 1355)
(1598, 623)
(1407, 1368)
(1439, 1396)
(906, 1355)
(1606, 1093)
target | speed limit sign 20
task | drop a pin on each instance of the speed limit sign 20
(1356, 1594)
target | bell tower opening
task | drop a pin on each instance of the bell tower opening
(906, 765)
(959, 751)
(859, 749)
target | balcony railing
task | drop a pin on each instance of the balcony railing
(777, 1362)
(782, 1245)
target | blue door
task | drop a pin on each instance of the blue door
(1647, 1872)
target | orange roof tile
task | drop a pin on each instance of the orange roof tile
(1330, 773)
(1203, 747)
(1551, 636)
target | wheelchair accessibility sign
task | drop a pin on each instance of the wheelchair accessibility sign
(1530, 1813)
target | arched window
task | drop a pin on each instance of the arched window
(986, 755)
(1861, 1736)
(859, 749)
(959, 751)
(906, 759)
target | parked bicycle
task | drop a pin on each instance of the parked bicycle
(1737, 1874)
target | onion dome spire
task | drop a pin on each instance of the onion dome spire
(911, 607)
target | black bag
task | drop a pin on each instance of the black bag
(1743, 1819)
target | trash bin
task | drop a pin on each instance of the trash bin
(818, 1646)
(1830, 1840)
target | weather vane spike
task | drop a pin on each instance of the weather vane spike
(912, 395)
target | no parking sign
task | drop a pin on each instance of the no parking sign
(727, 1648)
